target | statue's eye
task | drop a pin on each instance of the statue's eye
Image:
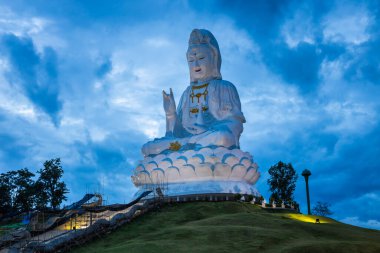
(201, 57)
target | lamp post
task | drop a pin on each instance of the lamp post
(306, 173)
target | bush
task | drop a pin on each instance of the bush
(237, 196)
(248, 198)
(322, 209)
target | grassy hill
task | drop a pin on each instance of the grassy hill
(232, 227)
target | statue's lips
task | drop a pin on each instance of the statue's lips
(197, 70)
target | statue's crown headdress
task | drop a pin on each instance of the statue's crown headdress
(202, 36)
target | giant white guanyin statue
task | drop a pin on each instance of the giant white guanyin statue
(200, 151)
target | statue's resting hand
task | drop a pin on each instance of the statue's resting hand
(196, 129)
(169, 103)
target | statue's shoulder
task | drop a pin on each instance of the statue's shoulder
(222, 84)
(186, 91)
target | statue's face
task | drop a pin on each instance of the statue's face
(200, 60)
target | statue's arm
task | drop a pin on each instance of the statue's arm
(170, 112)
(179, 129)
(227, 111)
(228, 107)
(170, 123)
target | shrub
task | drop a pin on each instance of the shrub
(237, 196)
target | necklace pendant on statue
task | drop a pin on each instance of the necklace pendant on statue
(198, 95)
(192, 97)
(205, 94)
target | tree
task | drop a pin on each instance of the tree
(49, 186)
(24, 192)
(16, 189)
(322, 209)
(282, 182)
(41, 198)
(7, 188)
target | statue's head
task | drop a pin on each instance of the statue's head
(203, 56)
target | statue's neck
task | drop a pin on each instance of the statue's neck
(201, 82)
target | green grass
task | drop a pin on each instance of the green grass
(4, 229)
(231, 227)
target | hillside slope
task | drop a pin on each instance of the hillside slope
(232, 227)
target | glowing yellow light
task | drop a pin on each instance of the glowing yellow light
(79, 222)
(308, 218)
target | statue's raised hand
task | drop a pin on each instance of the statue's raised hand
(169, 103)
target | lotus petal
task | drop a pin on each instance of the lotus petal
(195, 161)
(165, 164)
(135, 181)
(237, 172)
(179, 162)
(184, 158)
(173, 156)
(151, 166)
(158, 176)
(201, 157)
(154, 163)
(222, 171)
(204, 171)
(140, 167)
(254, 178)
(232, 160)
(226, 156)
(144, 178)
(190, 153)
(250, 173)
(159, 158)
(220, 150)
(167, 159)
(147, 159)
(245, 161)
(172, 174)
(207, 151)
(187, 172)
(238, 153)
(212, 159)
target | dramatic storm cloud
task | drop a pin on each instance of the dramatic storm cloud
(83, 80)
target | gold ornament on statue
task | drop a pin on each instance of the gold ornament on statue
(175, 146)
(199, 95)
(196, 110)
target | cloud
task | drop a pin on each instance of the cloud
(308, 84)
(12, 151)
(36, 73)
(297, 59)
(365, 66)
(104, 68)
(347, 23)
(11, 22)
(290, 63)
(373, 224)
(355, 26)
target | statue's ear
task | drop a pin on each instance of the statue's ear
(215, 71)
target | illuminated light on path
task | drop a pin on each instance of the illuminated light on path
(309, 218)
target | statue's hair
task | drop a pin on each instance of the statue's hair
(203, 36)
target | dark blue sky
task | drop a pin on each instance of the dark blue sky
(82, 81)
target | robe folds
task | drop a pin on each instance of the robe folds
(223, 113)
